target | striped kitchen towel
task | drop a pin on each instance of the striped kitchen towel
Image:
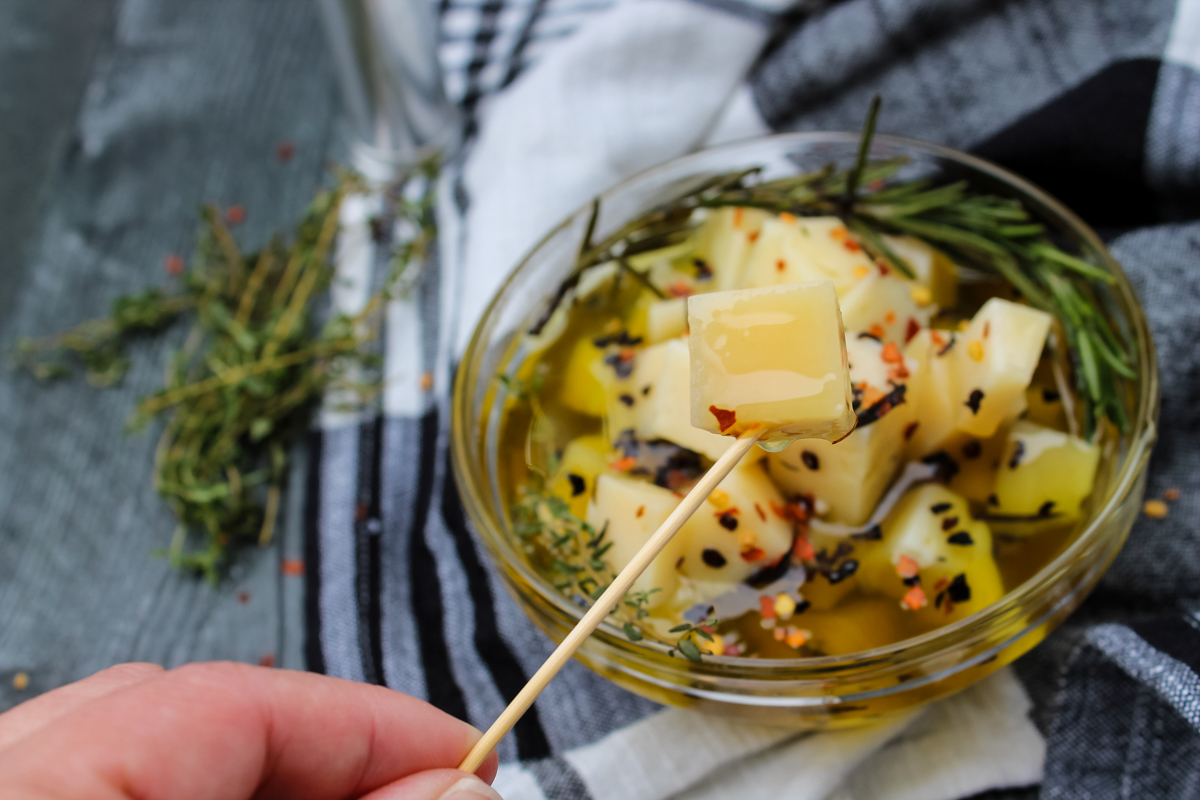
(1098, 101)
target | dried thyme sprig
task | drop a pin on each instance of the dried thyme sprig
(988, 232)
(242, 389)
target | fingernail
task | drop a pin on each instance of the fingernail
(471, 789)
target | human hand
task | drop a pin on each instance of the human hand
(233, 731)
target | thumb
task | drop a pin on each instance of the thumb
(436, 784)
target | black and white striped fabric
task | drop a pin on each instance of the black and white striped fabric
(1098, 101)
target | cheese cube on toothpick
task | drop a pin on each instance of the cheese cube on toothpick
(772, 358)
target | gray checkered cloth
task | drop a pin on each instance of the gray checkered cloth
(1098, 101)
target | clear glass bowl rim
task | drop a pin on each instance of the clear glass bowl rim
(1141, 438)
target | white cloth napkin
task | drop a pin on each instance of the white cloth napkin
(641, 82)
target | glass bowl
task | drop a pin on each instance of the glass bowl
(800, 692)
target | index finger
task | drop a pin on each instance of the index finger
(233, 731)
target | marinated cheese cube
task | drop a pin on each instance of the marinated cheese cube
(849, 477)
(581, 390)
(772, 357)
(659, 394)
(583, 460)
(934, 557)
(779, 257)
(1044, 477)
(666, 319)
(932, 391)
(934, 270)
(741, 528)
(995, 360)
(883, 305)
(629, 512)
(724, 243)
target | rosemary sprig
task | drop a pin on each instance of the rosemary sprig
(991, 233)
(242, 389)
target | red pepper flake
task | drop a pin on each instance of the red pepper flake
(706, 628)
(626, 354)
(910, 429)
(937, 338)
(726, 419)
(267, 661)
(877, 331)
(623, 464)
(891, 354)
(942, 584)
(753, 554)
(798, 512)
(803, 549)
(787, 219)
(884, 269)
(761, 514)
(738, 214)
(173, 265)
(890, 318)
(911, 330)
(243, 597)
(914, 598)
(1171, 495)
(871, 396)
(987, 328)
(292, 566)
(852, 246)
(838, 233)
(780, 265)
(235, 215)
(285, 151)
(898, 372)
(780, 511)
(767, 604)
(679, 289)
(907, 568)
(752, 238)
(641, 511)
(723, 512)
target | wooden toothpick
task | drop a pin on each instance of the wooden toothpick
(611, 597)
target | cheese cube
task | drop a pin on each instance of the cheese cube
(629, 512)
(666, 319)
(772, 357)
(740, 529)
(932, 545)
(849, 477)
(932, 391)
(581, 390)
(1044, 477)
(779, 257)
(934, 270)
(883, 306)
(724, 242)
(995, 359)
(583, 460)
(659, 394)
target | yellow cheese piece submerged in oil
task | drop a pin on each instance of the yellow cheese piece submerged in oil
(773, 357)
